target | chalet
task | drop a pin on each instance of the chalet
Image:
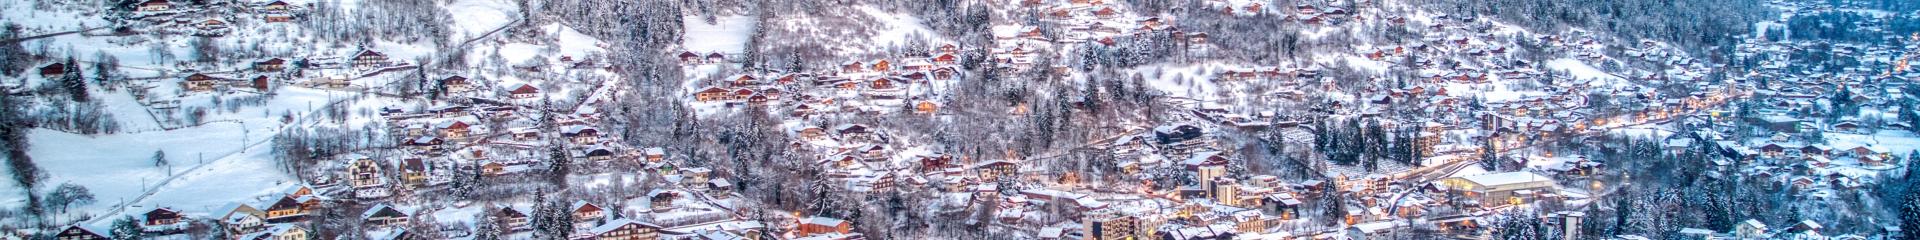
(995, 169)
(401, 234)
(1106, 12)
(1846, 126)
(758, 99)
(364, 173)
(523, 91)
(713, 94)
(277, 17)
(512, 219)
(743, 93)
(200, 82)
(259, 83)
(853, 67)
(454, 84)
(278, 232)
(493, 168)
(626, 229)
(385, 216)
(580, 134)
(883, 66)
(277, 6)
(453, 129)
(690, 57)
(240, 218)
(78, 232)
(289, 208)
(154, 6)
(716, 58)
(1197, 38)
(52, 71)
(948, 49)
(427, 143)
(598, 154)
(654, 154)
(823, 225)
(943, 73)
(414, 171)
(880, 84)
(368, 59)
(743, 80)
(211, 24)
(586, 212)
(160, 216)
(661, 200)
(852, 131)
(719, 187)
(926, 107)
(945, 59)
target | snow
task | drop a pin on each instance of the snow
(1505, 178)
(476, 17)
(1580, 70)
(726, 35)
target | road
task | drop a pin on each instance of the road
(56, 34)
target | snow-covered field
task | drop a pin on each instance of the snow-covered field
(727, 35)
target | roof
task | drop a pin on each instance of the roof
(823, 221)
(616, 224)
(382, 209)
(1505, 178)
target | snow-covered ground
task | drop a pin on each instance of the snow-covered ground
(727, 34)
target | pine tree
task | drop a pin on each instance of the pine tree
(75, 83)
(486, 229)
(126, 228)
(1910, 211)
(559, 165)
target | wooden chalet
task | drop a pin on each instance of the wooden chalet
(52, 71)
(367, 59)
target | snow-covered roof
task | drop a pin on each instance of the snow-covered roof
(823, 221)
(1505, 178)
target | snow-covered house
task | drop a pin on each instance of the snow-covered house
(154, 6)
(82, 232)
(581, 134)
(368, 59)
(523, 91)
(162, 220)
(385, 216)
(1497, 189)
(626, 229)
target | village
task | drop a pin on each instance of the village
(1459, 132)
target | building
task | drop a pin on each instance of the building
(364, 173)
(200, 82)
(278, 232)
(154, 6)
(78, 232)
(1497, 189)
(368, 59)
(523, 91)
(1112, 226)
(385, 216)
(823, 225)
(52, 71)
(626, 229)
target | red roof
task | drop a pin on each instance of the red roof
(525, 89)
(54, 69)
